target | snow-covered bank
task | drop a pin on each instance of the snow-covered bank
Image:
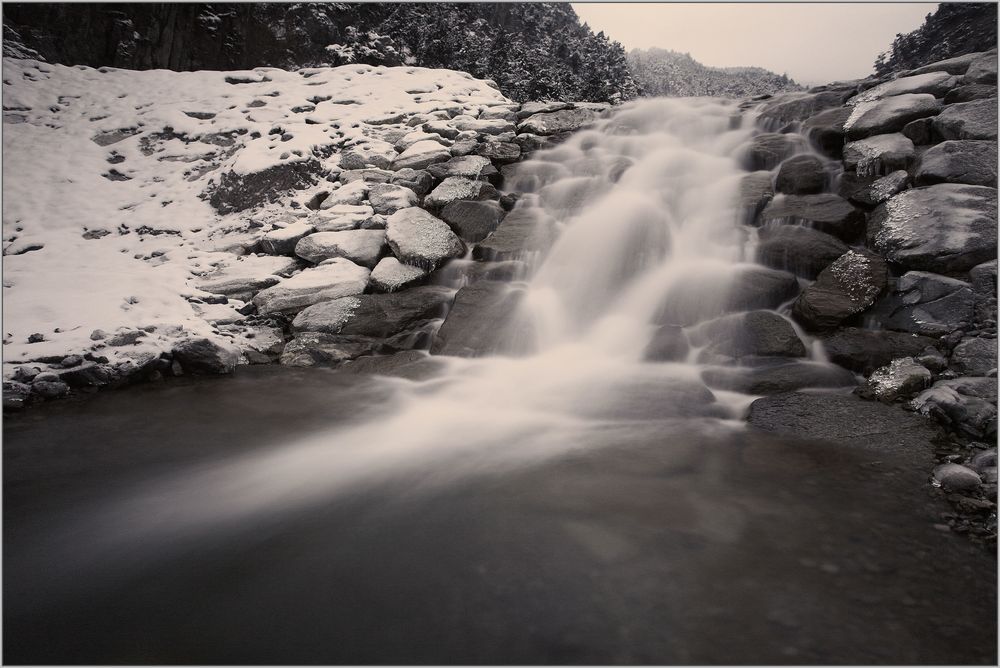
(105, 222)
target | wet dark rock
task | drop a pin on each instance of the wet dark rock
(756, 191)
(525, 230)
(238, 192)
(956, 476)
(826, 130)
(782, 109)
(471, 220)
(668, 344)
(16, 395)
(920, 131)
(899, 379)
(970, 92)
(925, 303)
(375, 315)
(50, 389)
(86, 375)
(847, 419)
(968, 120)
(773, 379)
(879, 155)
(881, 189)
(944, 228)
(766, 151)
(481, 322)
(801, 175)
(204, 356)
(966, 405)
(959, 161)
(760, 287)
(71, 361)
(845, 288)
(752, 334)
(890, 114)
(410, 364)
(310, 349)
(864, 350)
(975, 356)
(825, 212)
(983, 278)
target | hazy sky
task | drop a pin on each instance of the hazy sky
(813, 43)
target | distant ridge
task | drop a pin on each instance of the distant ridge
(661, 72)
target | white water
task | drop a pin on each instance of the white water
(664, 234)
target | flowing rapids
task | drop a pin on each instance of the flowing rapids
(645, 211)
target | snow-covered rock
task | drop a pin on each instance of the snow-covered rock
(390, 275)
(338, 278)
(420, 155)
(359, 246)
(418, 238)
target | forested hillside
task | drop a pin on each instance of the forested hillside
(673, 74)
(531, 50)
(953, 30)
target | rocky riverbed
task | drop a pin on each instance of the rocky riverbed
(307, 219)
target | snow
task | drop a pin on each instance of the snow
(150, 237)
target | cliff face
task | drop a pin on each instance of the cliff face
(532, 50)
(673, 74)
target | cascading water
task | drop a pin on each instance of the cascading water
(645, 210)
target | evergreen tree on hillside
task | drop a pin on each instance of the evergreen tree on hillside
(953, 30)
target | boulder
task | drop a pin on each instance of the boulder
(983, 278)
(337, 278)
(959, 161)
(924, 303)
(801, 250)
(899, 379)
(282, 241)
(237, 192)
(772, 379)
(755, 192)
(359, 246)
(845, 288)
(957, 477)
(864, 350)
(417, 238)
(934, 83)
(944, 228)
(50, 389)
(669, 343)
(968, 120)
(390, 275)
(801, 175)
(486, 126)
(782, 109)
(242, 276)
(889, 114)
(766, 151)
(341, 217)
(975, 357)
(482, 322)
(920, 131)
(471, 220)
(387, 198)
(982, 70)
(421, 155)
(410, 364)
(826, 130)
(541, 107)
(555, 122)
(848, 420)
(375, 315)
(966, 405)
(411, 138)
(467, 166)
(755, 287)
(499, 152)
(879, 154)
(752, 334)
(498, 113)
(825, 212)
(368, 175)
(456, 188)
(526, 230)
(417, 180)
(442, 127)
(16, 395)
(881, 189)
(349, 194)
(956, 65)
(970, 92)
(310, 349)
(205, 356)
(374, 153)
